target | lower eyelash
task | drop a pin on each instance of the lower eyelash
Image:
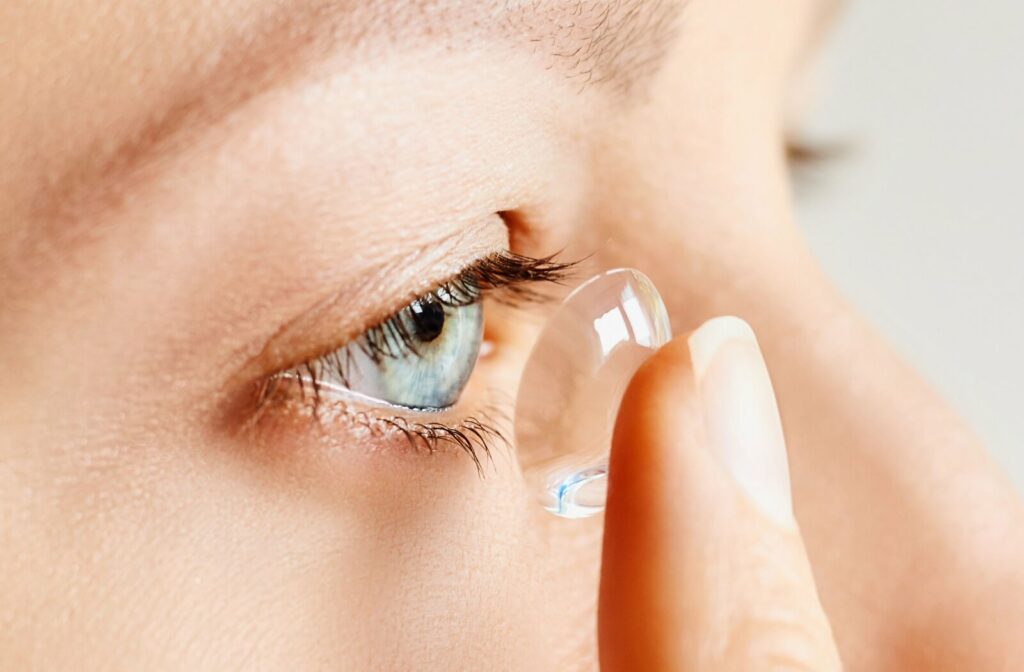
(473, 436)
(477, 435)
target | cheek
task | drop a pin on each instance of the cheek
(409, 561)
(434, 565)
(226, 554)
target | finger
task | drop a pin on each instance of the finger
(703, 565)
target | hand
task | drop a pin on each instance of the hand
(704, 567)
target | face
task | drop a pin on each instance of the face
(268, 276)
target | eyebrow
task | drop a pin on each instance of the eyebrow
(617, 44)
(612, 45)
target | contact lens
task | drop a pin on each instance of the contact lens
(573, 383)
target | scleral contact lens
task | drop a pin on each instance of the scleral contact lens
(573, 383)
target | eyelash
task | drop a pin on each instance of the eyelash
(507, 277)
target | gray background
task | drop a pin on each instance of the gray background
(920, 224)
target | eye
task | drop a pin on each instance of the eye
(420, 358)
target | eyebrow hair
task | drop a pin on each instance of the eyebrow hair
(612, 45)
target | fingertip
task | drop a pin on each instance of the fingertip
(659, 415)
(658, 426)
(655, 398)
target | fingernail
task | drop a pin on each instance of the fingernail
(740, 414)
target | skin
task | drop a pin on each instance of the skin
(197, 196)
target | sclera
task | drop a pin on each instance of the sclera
(573, 383)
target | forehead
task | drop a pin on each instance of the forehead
(142, 77)
(611, 42)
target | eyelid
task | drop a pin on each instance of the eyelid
(474, 431)
(314, 333)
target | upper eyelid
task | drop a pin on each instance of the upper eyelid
(303, 330)
(355, 333)
(493, 272)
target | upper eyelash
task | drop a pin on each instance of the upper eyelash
(516, 274)
(513, 274)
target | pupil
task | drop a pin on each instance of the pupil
(428, 319)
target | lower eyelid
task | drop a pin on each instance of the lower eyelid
(340, 418)
(306, 395)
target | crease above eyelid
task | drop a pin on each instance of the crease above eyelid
(296, 339)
